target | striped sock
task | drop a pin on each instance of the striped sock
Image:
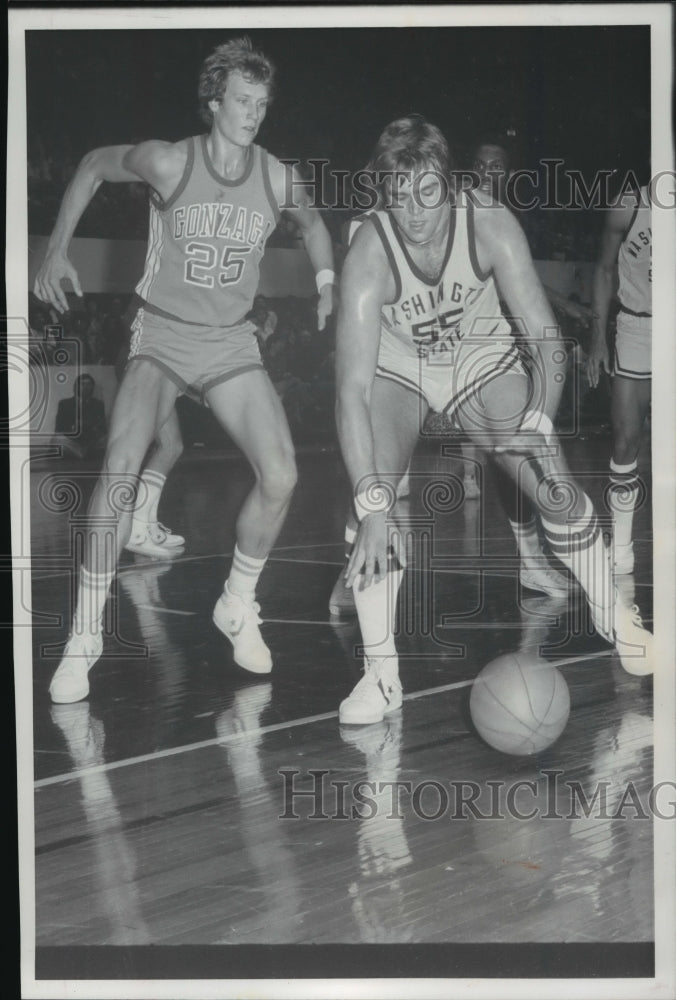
(527, 538)
(244, 573)
(622, 496)
(580, 546)
(150, 489)
(91, 600)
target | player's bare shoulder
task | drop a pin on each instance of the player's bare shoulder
(160, 164)
(490, 215)
(621, 209)
(496, 228)
(367, 262)
(287, 184)
(278, 170)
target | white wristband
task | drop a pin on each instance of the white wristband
(324, 277)
(376, 499)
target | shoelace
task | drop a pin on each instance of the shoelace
(253, 608)
(156, 532)
(371, 676)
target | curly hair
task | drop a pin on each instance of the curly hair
(237, 55)
(504, 140)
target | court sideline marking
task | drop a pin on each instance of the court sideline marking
(273, 728)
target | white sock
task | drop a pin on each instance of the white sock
(377, 610)
(527, 538)
(622, 496)
(244, 574)
(580, 546)
(92, 595)
(149, 492)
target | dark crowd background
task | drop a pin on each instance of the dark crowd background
(580, 95)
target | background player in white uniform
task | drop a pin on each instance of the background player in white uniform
(626, 249)
(419, 327)
(191, 333)
(493, 162)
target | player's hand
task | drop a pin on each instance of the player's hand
(325, 305)
(597, 359)
(369, 552)
(48, 281)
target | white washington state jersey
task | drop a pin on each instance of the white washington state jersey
(634, 261)
(432, 316)
(443, 338)
(206, 241)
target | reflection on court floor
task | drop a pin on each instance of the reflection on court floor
(188, 803)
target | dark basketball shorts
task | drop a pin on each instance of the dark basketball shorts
(633, 346)
(196, 358)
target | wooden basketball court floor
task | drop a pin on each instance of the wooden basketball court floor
(171, 835)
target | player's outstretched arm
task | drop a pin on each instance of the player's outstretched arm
(289, 190)
(149, 161)
(502, 247)
(603, 281)
(364, 289)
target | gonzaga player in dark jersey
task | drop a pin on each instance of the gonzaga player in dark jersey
(626, 247)
(215, 200)
(420, 327)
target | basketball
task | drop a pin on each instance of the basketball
(519, 704)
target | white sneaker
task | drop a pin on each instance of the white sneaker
(633, 642)
(150, 538)
(624, 559)
(376, 695)
(471, 488)
(238, 620)
(543, 578)
(70, 681)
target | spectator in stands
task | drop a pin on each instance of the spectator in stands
(301, 355)
(268, 328)
(80, 421)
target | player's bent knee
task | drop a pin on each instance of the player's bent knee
(278, 478)
(175, 449)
